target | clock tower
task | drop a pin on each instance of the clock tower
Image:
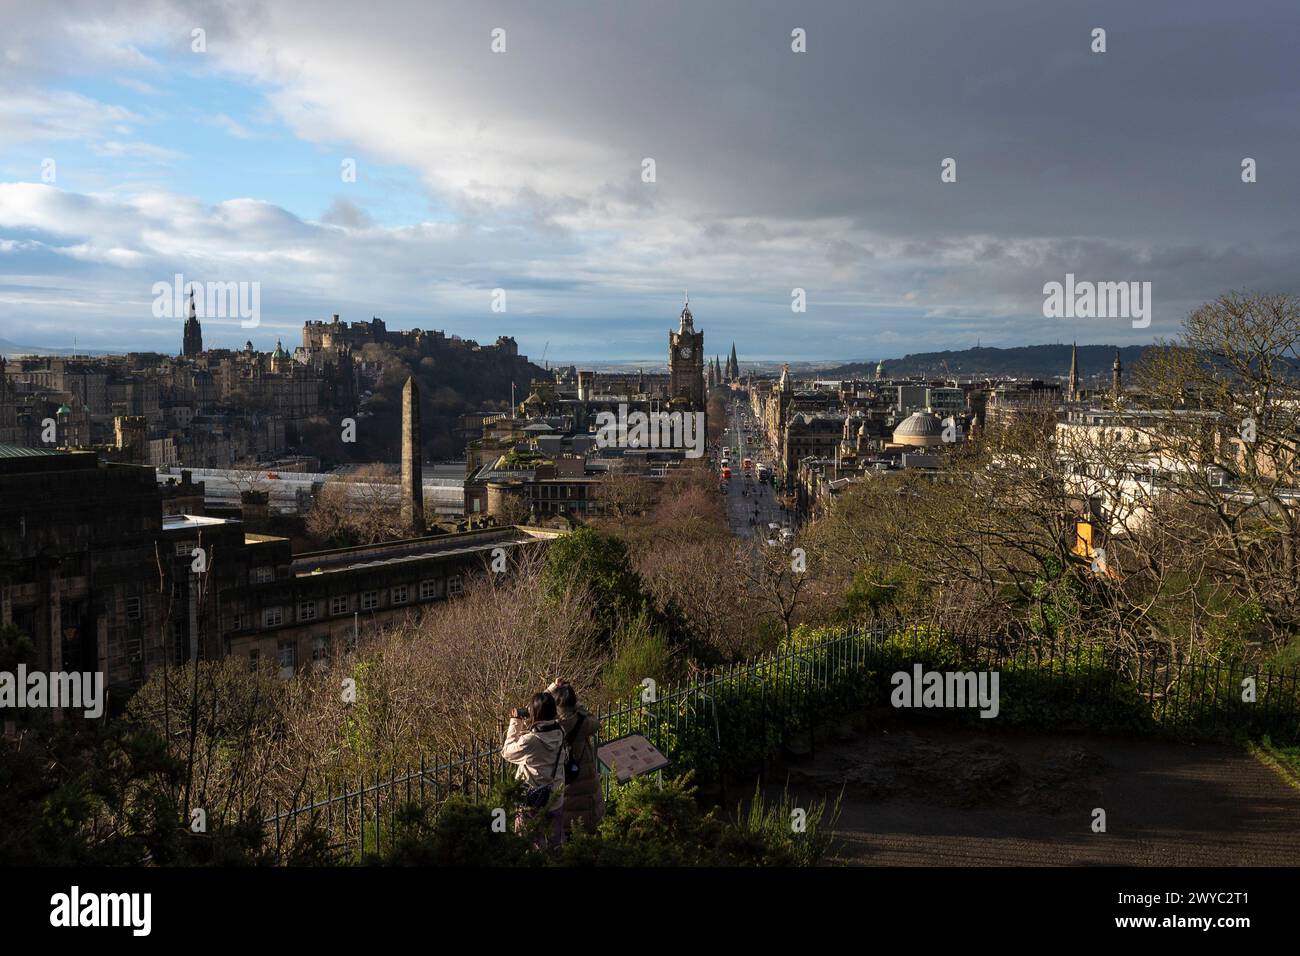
(686, 360)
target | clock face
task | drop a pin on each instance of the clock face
(684, 351)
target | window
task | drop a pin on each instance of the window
(286, 655)
(180, 637)
(307, 610)
(369, 600)
(430, 589)
(133, 609)
(399, 594)
(252, 659)
(272, 617)
(184, 548)
(455, 585)
(238, 622)
(263, 575)
(319, 653)
(339, 604)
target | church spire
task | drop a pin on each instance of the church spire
(687, 320)
(192, 334)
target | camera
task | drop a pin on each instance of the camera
(521, 712)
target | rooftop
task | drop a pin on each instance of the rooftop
(417, 549)
(182, 522)
(22, 451)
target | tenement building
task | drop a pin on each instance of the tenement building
(103, 572)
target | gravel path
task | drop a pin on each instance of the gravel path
(935, 797)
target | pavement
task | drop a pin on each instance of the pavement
(959, 798)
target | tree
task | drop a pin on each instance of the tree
(1227, 433)
(598, 563)
(774, 578)
(1163, 523)
(514, 511)
(621, 495)
(359, 507)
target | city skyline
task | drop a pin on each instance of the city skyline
(445, 437)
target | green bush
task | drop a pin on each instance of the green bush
(647, 824)
(109, 795)
(462, 832)
(805, 839)
(640, 648)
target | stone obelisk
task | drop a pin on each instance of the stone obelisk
(412, 471)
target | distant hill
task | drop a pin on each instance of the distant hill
(8, 348)
(1025, 361)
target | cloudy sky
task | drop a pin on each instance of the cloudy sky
(126, 157)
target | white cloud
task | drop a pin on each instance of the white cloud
(232, 127)
(43, 116)
(774, 171)
(144, 151)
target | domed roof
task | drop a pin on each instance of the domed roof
(279, 353)
(919, 425)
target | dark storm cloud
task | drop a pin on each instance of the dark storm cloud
(778, 170)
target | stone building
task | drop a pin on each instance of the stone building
(106, 570)
(82, 546)
(303, 609)
(920, 430)
(686, 361)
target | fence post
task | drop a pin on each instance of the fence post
(379, 813)
(810, 709)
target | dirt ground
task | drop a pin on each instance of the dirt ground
(932, 797)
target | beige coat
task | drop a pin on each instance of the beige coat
(534, 751)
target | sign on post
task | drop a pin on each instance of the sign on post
(630, 756)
